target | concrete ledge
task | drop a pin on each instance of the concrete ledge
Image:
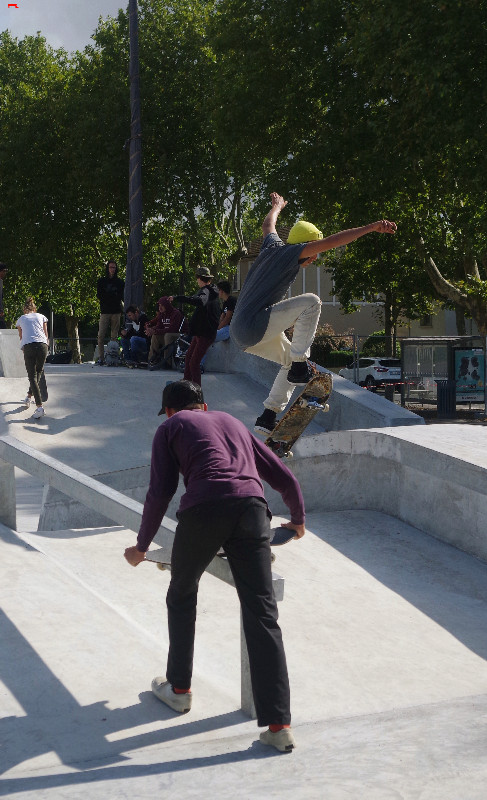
(60, 512)
(11, 356)
(351, 406)
(115, 506)
(382, 470)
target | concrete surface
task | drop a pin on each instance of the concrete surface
(11, 357)
(385, 629)
(352, 407)
(434, 478)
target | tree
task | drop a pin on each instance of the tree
(360, 115)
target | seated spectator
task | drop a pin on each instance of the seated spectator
(163, 330)
(134, 341)
(228, 307)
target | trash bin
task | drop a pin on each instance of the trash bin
(446, 399)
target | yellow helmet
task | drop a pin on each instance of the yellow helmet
(303, 232)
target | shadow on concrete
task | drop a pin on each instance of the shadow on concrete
(16, 785)
(447, 585)
(17, 410)
(77, 533)
(55, 722)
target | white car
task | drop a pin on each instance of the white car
(374, 372)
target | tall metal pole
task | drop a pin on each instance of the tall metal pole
(182, 277)
(134, 287)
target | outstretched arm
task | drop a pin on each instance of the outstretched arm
(278, 203)
(279, 477)
(345, 237)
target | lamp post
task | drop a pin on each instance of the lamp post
(134, 287)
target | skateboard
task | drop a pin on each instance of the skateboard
(279, 537)
(297, 418)
(158, 556)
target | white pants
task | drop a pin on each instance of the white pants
(303, 312)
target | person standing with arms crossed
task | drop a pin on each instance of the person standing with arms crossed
(262, 315)
(223, 466)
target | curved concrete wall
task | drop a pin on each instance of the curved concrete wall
(417, 481)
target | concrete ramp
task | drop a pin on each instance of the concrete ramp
(385, 632)
(385, 627)
(352, 406)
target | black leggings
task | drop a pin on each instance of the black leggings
(241, 527)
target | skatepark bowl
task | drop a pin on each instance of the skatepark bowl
(383, 604)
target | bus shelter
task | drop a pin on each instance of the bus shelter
(444, 369)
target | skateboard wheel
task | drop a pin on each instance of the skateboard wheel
(163, 567)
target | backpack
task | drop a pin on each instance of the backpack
(64, 357)
(112, 354)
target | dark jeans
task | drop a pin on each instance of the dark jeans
(198, 347)
(35, 355)
(135, 348)
(241, 527)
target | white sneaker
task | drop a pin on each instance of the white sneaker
(27, 401)
(38, 413)
(163, 691)
(283, 740)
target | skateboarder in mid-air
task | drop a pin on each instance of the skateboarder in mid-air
(223, 466)
(262, 316)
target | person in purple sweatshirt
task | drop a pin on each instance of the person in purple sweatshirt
(223, 466)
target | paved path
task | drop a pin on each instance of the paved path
(385, 628)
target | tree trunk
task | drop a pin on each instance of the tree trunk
(390, 332)
(134, 287)
(389, 323)
(473, 303)
(460, 321)
(73, 337)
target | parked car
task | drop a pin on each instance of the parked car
(374, 372)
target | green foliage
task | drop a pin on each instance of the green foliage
(347, 109)
(377, 345)
(329, 349)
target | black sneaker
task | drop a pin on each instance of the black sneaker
(266, 422)
(300, 373)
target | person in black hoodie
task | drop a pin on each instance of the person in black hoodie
(109, 291)
(203, 324)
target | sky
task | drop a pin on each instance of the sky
(64, 23)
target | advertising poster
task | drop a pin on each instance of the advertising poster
(470, 374)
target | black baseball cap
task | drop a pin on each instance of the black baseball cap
(180, 394)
